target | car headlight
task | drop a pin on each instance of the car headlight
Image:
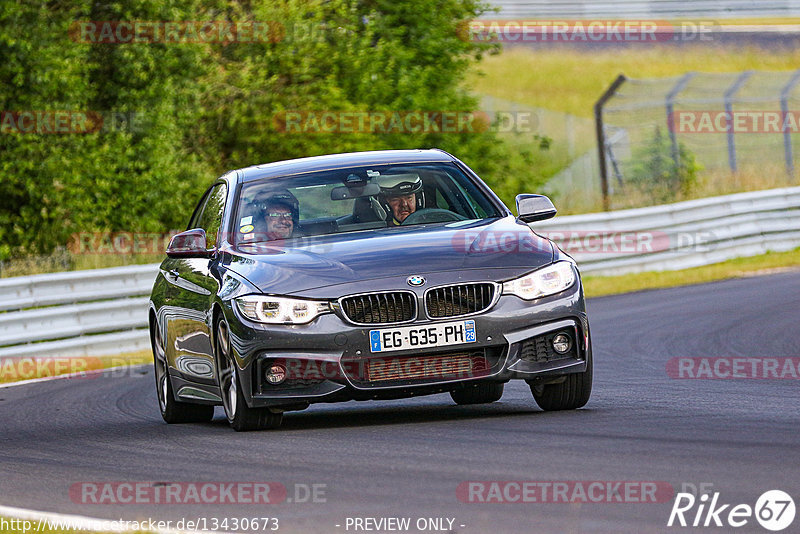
(549, 280)
(280, 310)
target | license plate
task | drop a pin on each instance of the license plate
(415, 337)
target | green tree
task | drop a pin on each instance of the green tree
(200, 108)
(139, 170)
(37, 73)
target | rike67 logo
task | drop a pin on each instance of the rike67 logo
(774, 510)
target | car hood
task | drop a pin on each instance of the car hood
(308, 263)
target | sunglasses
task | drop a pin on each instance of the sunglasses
(279, 215)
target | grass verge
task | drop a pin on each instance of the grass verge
(709, 183)
(570, 80)
(61, 261)
(27, 368)
(597, 286)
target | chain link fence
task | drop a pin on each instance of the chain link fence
(562, 144)
(689, 136)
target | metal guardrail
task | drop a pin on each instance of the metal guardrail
(79, 313)
(73, 320)
(100, 345)
(681, 235)
(104, 311)
(76, 286)
(646, 9)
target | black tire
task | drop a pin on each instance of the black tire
(240, 416)
(571, 394)
(481, 393)
(173, 411)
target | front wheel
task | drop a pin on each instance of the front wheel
(173, 411)
(571, 394)
(240, 416)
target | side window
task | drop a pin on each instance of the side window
(210, 217)
(451, 196)
(468, 199)
(194, 221)
(441, 202)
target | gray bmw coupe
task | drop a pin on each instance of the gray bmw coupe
(371, 275)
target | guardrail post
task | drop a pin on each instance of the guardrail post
(601, 137)
(670, 105)
(729, 94)
(787, 134)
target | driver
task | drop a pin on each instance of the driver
(281, 212)
(402, 197)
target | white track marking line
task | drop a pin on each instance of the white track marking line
(71, 375)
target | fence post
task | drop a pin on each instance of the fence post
(787, 134)
(729, 94)
(670, 105)
(601, 137)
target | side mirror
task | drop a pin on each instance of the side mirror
(532, 208)
(189, 244)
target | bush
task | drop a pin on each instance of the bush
(655, 172)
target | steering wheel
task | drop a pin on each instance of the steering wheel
(429, 215)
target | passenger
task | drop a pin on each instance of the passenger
(281, 212)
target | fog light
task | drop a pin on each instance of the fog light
(562, 343)
(276, 374)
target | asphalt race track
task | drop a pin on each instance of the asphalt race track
(407, 458)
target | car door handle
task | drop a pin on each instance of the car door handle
(174, 274)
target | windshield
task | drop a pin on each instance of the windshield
(357, 199)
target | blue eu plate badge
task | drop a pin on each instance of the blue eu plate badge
(375, 340)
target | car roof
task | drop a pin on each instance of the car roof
(339, 161)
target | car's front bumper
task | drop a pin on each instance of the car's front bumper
(330, 360)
